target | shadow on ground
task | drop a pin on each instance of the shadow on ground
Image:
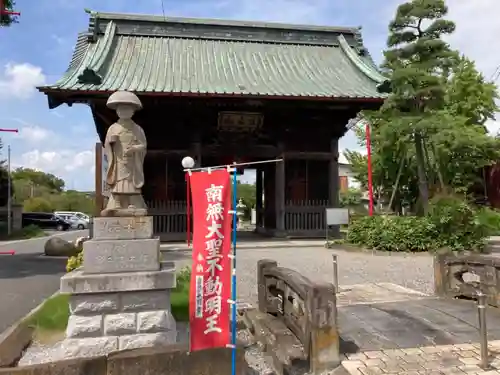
(176, 255)
(26, 265)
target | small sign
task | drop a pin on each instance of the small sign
(337, 216)
(240, 121)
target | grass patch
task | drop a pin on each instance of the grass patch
(30, 231)
(52, 317)
(179, 297)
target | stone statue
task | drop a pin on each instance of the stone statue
(125, 148)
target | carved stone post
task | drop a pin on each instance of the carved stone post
(261, 282)
(324, 344)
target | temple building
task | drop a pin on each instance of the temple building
(223, 91)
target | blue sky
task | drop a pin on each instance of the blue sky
(38, 49)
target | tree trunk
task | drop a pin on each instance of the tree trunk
(395, 187)
(438, 166)
(422, 178)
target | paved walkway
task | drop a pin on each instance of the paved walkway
(256, 243)
(445, 359)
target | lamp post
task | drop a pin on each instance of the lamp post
(188, 163)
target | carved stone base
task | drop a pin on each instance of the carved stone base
(118, 311)
(121, 212)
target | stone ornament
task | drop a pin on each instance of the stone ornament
(125, 148)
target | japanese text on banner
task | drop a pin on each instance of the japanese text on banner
(210, 284)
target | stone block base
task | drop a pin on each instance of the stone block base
(121, 255)
(96, 346)
(118, 311)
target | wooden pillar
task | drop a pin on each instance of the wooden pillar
(269, 197)
(99, 197)
(166, 178)
(258, 198)
(333, 188)
(280, 194)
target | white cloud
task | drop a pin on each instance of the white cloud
(20, 80)
(59, 163)
(34, 134)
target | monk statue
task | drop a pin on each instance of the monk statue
(125, 148)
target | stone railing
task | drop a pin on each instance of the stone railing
(462, 275)
(306, 308)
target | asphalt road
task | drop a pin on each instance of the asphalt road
(27, 278)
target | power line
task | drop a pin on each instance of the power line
(496, 74)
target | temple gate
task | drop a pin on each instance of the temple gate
(224, 91)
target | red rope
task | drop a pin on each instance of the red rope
(188, 216)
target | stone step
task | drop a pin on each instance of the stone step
(281, 348)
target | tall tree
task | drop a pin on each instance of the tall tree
(39, 179)
(417, 59)
(7, 19)
(468, 94)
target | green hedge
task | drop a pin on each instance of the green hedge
(451, 224)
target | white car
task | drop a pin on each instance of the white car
(75, 221)
(79, 215)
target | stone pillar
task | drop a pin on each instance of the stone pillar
(120, 298)
(258, 198)
(324, 344)
(333, 189)
(280, 195)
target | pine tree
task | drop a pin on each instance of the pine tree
(7, 19)
(418, 62)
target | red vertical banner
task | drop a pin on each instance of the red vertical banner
(210, 287)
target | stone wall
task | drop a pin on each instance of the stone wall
(462, 275)
(173, 360)
(17, 216)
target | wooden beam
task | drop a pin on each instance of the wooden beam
(299, 155)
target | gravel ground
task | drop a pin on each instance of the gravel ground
(413, 271)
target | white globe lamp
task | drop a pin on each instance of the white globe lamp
(187, 162)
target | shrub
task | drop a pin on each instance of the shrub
(392, 233)
(29, 231)
(74, 262)
(451, 223)
(457, 224)
(489, 219)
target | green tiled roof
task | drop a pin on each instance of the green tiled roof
(148, 54)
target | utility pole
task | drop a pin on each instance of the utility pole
(9, 185)
(9, 195)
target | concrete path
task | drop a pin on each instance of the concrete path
(27, 278)
(266, 243)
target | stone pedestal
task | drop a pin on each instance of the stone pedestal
(120, 298)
